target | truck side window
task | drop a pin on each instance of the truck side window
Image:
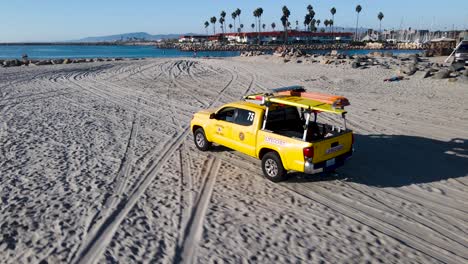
(227, 114)
(245, 117)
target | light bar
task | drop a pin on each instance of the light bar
(296, 88)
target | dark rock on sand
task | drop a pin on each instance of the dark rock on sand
(442, 74)
(57, 61)
(457, 66)
(427, 74)
(409, 69)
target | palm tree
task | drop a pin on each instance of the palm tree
(313, 27)
(234, 15)
(358, 10)
(326, 23)
(241, 27)
(230, 27)
(253, 26)
(311, 13)
(285, 22)
(207, 24)
(260, 13)
(263, 26)
(318, 23)
(273, 25)
(307, 21)
(255, 14)
(238, 13)
(380, 16)
(222, 19)
(213, 21)
(333, 12)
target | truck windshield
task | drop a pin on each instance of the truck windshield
(463, 48)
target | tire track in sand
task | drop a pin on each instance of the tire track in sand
(368, 217)
(94, 248)
(186, 250)
(120, 181)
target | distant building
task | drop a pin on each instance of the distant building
(294, 36)
(193, 38)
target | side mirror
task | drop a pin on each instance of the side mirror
(212, 116)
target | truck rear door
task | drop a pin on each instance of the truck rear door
(327, 149)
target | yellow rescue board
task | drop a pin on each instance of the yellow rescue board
(306, 103)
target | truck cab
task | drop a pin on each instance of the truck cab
(282, 129)
(461, 54)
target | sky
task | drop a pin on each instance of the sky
(61, 20)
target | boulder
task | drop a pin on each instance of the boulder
(465, 73)
(404, 58)
(67, 61)
(11, 63)
(57, 61)
(409, 69)
(457, 66)
(427, 74)
(388, 54)
(43, 62)
(355, 65)
(334, 53)
(442, 74)
(428, 53)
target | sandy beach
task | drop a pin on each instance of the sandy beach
(98, 165)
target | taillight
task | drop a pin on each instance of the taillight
(308, 152)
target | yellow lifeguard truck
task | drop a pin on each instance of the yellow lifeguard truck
(282, 129)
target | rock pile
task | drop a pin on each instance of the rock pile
(252, 53)
(27, 62)
(405, 65)
(288, 52)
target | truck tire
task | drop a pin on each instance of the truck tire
(200, 140)
(273, 167)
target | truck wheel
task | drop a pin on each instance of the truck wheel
(200, 140)
(273, 167)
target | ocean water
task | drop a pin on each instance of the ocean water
(79, 51)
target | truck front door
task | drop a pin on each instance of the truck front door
(221, 128)
(244, 132)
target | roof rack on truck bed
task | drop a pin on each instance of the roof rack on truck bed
(297, 96)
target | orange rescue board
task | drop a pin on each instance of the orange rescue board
(335, 100)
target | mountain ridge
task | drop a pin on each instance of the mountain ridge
(130, 36)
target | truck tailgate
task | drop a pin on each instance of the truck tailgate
(332, 147)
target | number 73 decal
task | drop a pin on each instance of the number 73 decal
(251, 116)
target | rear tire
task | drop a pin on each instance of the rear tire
(200, 140)
(273, 167)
